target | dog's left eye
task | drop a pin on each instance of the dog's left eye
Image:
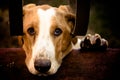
(57, 31)
(31, 31)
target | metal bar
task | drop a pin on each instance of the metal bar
(15, 17)
(82, 19)
(82, 16)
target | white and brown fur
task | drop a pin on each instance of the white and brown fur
(47, 36)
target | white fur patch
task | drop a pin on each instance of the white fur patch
(43, 40)
(44, 47)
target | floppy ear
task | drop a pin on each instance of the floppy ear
(70, 19)
(20, 40)
(66, 8)
(27, 8)
(69, 15)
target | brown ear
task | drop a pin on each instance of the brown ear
(66, 8)
(69, 15)
(70, 19)
(28, 7)
(20, 41)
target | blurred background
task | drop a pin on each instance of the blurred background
(102, 20)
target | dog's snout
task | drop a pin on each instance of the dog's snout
(42, 65)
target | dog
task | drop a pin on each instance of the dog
(47, 37)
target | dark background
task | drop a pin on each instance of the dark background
(103, 20)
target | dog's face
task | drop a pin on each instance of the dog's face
(47, 37)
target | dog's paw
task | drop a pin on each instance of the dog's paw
(94, 42)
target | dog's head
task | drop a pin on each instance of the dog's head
(47, 37)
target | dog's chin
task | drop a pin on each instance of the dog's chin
(45, 74)
(42, 74)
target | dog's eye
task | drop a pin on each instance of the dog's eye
(31, 31)
(57, 31)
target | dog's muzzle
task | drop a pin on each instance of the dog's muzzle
(42, 65)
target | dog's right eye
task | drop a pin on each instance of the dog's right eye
(31, 31)
(57, 31)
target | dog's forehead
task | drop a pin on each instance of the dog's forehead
(45, 20)
(47, 12)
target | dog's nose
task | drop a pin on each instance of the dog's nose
(42, 65)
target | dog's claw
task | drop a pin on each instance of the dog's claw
(94, 42)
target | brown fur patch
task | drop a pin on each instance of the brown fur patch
(74, 40)
(66, 8)
(62, 42)
(30, 19)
